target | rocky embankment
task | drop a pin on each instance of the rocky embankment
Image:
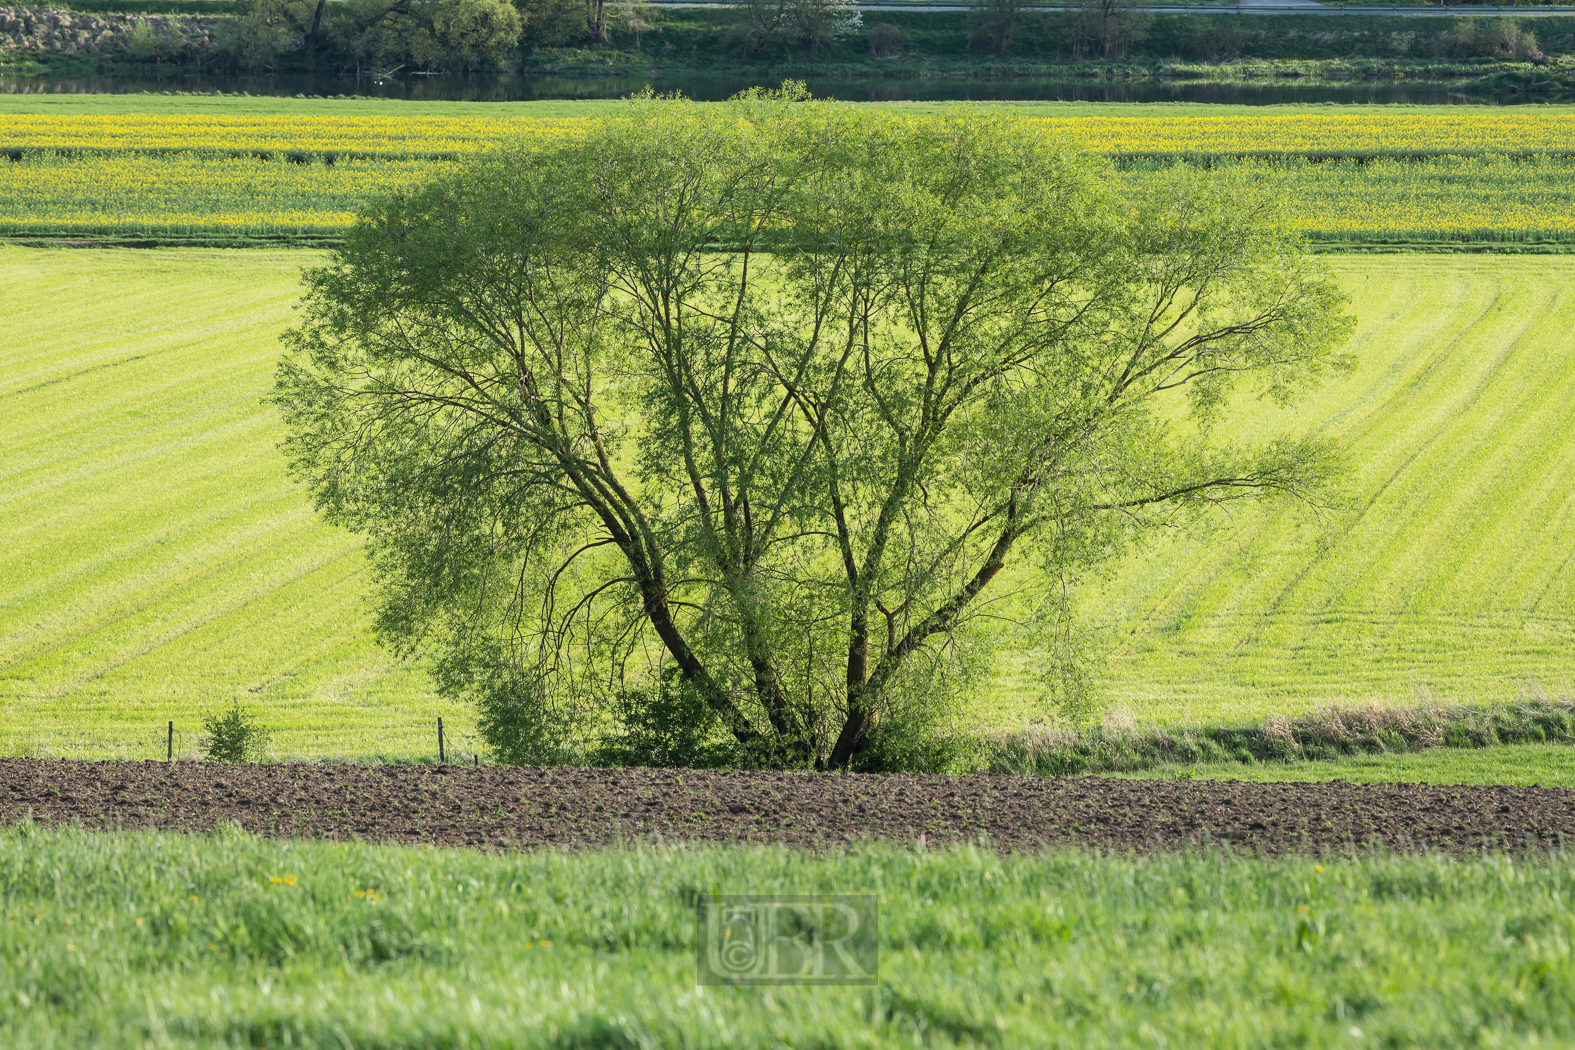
(41, 34)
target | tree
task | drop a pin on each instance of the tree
(992, 23)
(263, 30)
(1107, 27)
(772, 399)
(811, 24)
(466, 34)
(437, 34)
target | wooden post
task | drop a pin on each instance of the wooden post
(441, 758)
(169, 743)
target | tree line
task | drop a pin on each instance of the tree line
(466, 35)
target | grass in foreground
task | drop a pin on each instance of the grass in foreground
(227, 940)
(1518, 765)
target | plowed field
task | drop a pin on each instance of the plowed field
(509, 808)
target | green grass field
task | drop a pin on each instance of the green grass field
(1452, 573)
(155, 562)
(145, 939)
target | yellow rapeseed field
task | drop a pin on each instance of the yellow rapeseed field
(1453, 131)
(1358, 175)
(191, 193)
(390, 138)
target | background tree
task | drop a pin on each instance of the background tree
(1107, 28)
(775, 401)
(466, 35)
(263, 30)
(810, 24)
(435, 34)
(992, 23)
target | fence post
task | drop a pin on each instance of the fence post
(169, 743)
(441, 758)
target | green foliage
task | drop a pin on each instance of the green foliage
(141, 43)
(667, 725)
(1501, 38)
(771, 391)
(553, 23)
(234, 735)
(808, 24)
(446, 35)
(116, 940)
(888, 41)
(467, 35)
(264, 30)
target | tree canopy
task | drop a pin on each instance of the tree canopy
(769, 403)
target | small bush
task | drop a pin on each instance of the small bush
(669, 726)
(888, 41)
(234, 735)
(518, 728)
(141, 42)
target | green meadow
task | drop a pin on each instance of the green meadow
(1449, 573)
(156, 562)
(169, 941)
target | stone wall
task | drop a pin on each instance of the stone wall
(40, 34)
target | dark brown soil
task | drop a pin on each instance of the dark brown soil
(500, 808)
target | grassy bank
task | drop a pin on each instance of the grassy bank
(1339, 736)
(155, 562)
(1517, 765)
(919, 44)
(226, 940)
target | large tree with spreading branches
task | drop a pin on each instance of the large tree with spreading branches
(767, 403)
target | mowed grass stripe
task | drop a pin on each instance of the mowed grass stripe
(1452, 571)
(157, 562)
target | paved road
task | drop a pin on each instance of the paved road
(1241, 7)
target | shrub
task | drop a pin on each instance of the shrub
(670, 726)
(234, 735)
(888, 41)
(1496, 38)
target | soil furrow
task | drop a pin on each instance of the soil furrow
(531, 808)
